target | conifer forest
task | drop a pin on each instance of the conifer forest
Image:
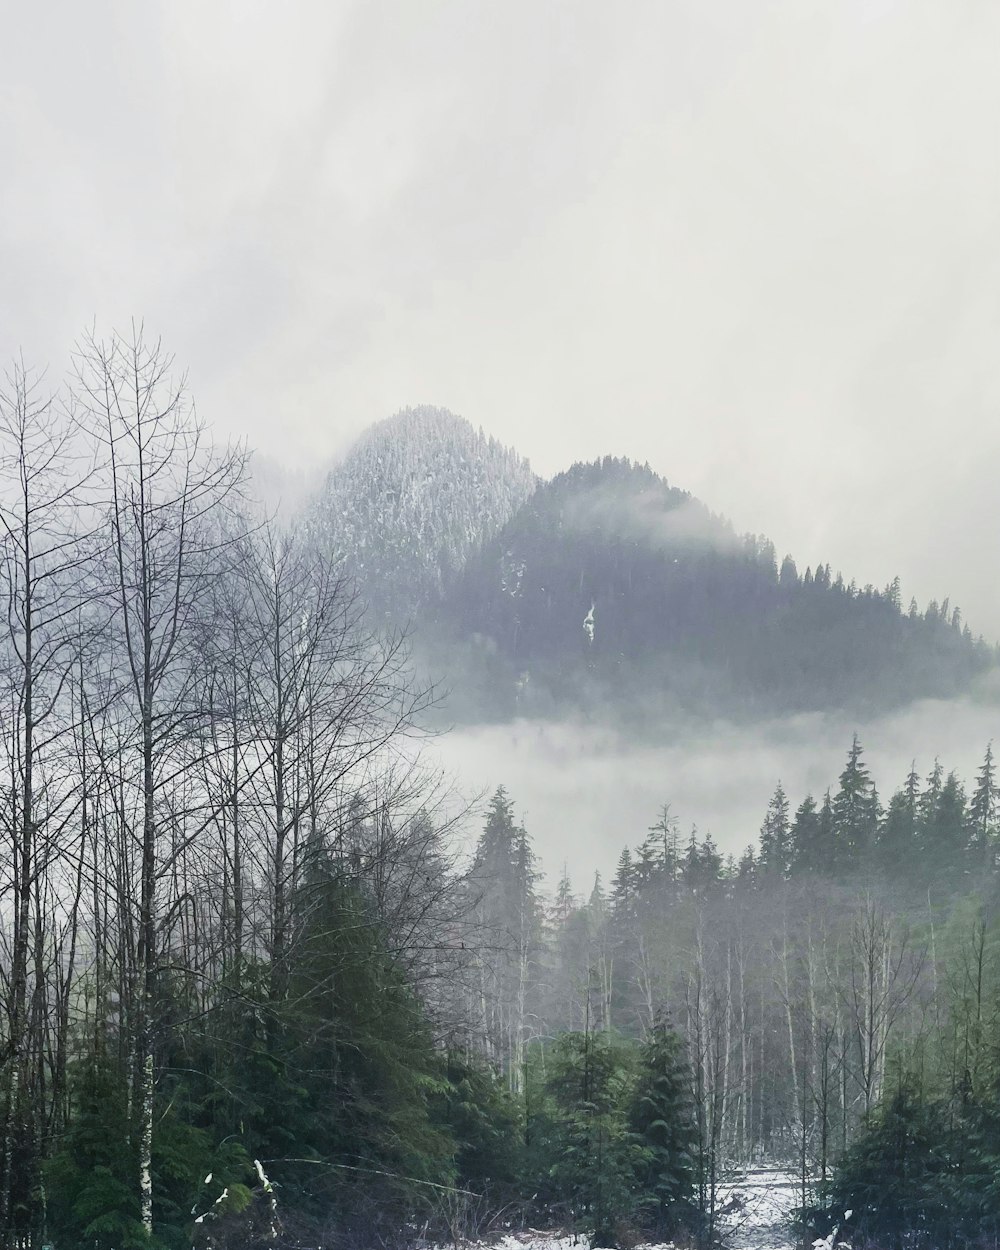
(499, 625)
(268, 980)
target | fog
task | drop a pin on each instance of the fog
(583, 793)
(754, 244)
(645, 518)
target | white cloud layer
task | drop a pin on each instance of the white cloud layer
(754, 244)
(584, 794)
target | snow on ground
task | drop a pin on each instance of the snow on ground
(755, 1210)
(533, 1240)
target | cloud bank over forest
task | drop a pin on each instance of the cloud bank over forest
(584, 793)
(712, 236)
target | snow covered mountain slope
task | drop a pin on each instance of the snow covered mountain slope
(415, 495)
(608, 593)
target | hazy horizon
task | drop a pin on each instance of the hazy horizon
(753, 245)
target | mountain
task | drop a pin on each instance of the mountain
(415, 495)
(606, 592)
(611, 592)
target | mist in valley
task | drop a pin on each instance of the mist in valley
(585, 793)
(499, 683)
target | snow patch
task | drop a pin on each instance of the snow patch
(531, 1239)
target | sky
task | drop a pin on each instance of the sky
(754, 243)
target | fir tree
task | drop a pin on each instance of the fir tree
(983, 812)
(855, 812)
(898, 836)
(775, 838)
(662, 1121)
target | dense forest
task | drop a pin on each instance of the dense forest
(610, 589)
(266, 981)
(403, 510)
(606, 592)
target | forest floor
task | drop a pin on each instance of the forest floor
(762, 1202)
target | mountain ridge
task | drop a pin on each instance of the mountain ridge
(409, 500)
(605, 588)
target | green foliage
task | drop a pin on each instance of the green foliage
(484, 1122)
(924, 1170)
(583, 1131)
(91, 1179)
(895, 1178)
(661, 1120)
(354, 1076)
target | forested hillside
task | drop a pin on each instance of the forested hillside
(607, 592)
(268, 982)
(612, 593)
(416, 494)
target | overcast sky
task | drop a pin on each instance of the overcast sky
(757, 244)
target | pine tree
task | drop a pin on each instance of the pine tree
(775, 838)
(983, 812)
(898, 844)
(662, 1121)
(855, 812)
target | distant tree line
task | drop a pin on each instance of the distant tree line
(255, 991)
(682, 613)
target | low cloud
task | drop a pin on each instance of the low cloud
(584, 793)
(644, 516)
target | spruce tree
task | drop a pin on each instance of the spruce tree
(944, 830)
(776, 838)
(855, 812)
(983, 812)
(662, 1121)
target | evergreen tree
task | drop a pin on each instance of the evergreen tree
(623, 889)
(565, 902)
(481, 1117)
(927, 805)
(746, 869)
(983, 812)
(855, 812)
(898, 836)
(508, 916)
(944, 828)
(591, 1155)
(894, 1178)
(804, 838)
(776, 838)
(659, 855)
(662, 1121)
(813, 838)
